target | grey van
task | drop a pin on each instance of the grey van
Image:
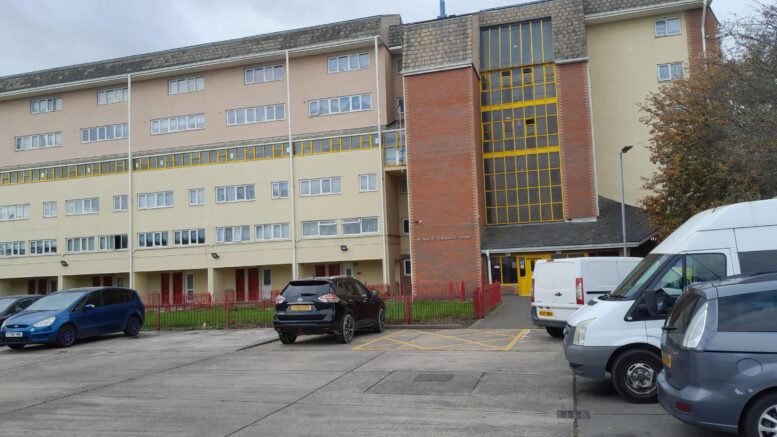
(719, 349)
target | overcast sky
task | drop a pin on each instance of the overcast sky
(40, 34)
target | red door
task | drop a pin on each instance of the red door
(253, 284)
(320, 270)
(31, 286)
(178, 288)
(42, 283)
(334, 269)
(165, 289)
(240, 285)
(95, 281)
(107, 281)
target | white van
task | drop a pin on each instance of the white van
(620, 333)
(561, 286)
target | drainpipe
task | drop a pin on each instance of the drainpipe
(293, 227)
(130, 238)
(704, 32)
(488, 260)
(382, 171)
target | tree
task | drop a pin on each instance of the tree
(714, 134)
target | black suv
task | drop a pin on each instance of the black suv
(337, 305)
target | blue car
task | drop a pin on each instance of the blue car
(65, 316)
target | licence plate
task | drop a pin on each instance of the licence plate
(546, 313)
(667, 360)
(301, 307)
(13, 334)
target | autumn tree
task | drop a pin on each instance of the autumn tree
(714, 134)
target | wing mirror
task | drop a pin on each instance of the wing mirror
(652, 304)
(88, 307)
(373, 294)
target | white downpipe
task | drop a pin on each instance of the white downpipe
(488, 258)
(704, 32)
(293, 227)
(593, 139)
(384, 235)
(130, 238)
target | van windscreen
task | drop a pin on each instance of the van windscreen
(641, 273)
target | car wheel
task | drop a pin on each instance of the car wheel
(555, 332)
(66, 336)
(16, 346)
(381, 325)
(761, 418)
(634, 376)
(287, 338)
(133, 327)
(347, 329)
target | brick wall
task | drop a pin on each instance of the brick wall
(693, 26)
(576, 141)
(444, 175)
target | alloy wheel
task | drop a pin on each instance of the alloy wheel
(767, 423)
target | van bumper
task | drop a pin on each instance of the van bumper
(586, 361)
(713, 406)
(545, 322)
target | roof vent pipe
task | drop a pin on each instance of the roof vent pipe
(442, 10)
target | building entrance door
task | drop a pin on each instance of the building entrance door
(526, 271)
(266, 283)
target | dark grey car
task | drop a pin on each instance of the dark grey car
(720, 356)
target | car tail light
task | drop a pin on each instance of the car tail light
(579, 291)
(532, 290)
(683, 407)
(329, 298)
(279, 299)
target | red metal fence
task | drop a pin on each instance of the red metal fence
(430, 303)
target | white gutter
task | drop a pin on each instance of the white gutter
(130, 237)
(293, 226)
(382, 171)
(704, 32)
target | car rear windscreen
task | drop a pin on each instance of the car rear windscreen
(306, 289)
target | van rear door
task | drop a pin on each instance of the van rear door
(564, 282)
(543, 283)
(600, 277)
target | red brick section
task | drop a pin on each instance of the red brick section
(693, 27)
(577, 166)
(444, 175)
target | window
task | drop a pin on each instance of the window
(14, 212)
(235, 193)
(406, 267)
(113, 242)
(320, 228)
(398, 65)
(356, 61)
(80, 244)
(368, 182)
(280, 190)
(39, 141)
(152, 239)
(104, 133)
(185, 85)
(274, 231)
(46, 105)
(190, 287)
(403, 187)
(339, 105)
(668, 72)
(49, 209)
(751, 312)
(365, 225)
(189, 237)
(233, 234)
(177, 124)
(197, 196)
(668, 27)
(12, 248)
(263, 74)
(43, 247)
(258, 114)
(161, 199)
(116, 95)
(120, 202)
(758, 261)
(83, 206)
(405, 226)
(320, 187)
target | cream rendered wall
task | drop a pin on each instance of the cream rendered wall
(624, 58)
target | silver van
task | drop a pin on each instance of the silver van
(719, 349)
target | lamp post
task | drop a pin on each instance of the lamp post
(623, 201)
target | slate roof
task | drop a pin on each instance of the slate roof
(606, 230)
(222, 50)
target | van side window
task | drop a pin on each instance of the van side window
(760, 261)
(705, 267)
(752, 312)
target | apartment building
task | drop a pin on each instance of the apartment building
(461, 148)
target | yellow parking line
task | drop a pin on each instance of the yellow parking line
(407, 344)
(462, 340)
(384, 337)
(521, 334)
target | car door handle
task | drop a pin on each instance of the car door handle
(558, 294)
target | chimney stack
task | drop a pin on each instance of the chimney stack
(442, 10)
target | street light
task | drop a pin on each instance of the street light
(623, 201)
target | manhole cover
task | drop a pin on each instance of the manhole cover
(571, 414)
(433, 377)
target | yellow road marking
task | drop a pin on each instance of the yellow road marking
(516, 339)
(384, 337)
(462, 340)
